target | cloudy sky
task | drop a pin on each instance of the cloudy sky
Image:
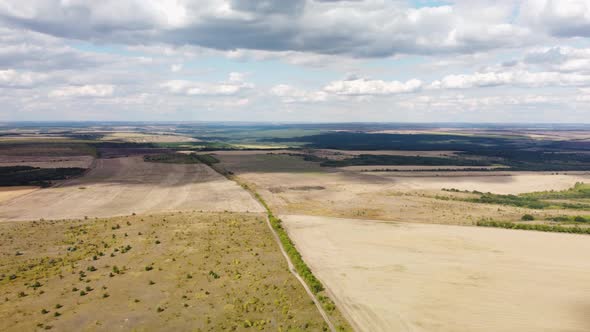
(295, 60)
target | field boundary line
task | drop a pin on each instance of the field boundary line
(290, 265)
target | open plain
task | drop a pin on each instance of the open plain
(291, 185)
(122, 186)
(171, 271)
(413, 277)
(382, 228)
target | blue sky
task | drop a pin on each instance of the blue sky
(302, 60)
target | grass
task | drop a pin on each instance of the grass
(181, 158)
(236, 273)
(301, 267)
(534, 200)
(534, 227)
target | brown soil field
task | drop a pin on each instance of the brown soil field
(414, 277)
(47, 161)
(251, 161)
(41, 149)
(121, 186)
(162, 272)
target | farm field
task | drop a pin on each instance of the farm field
(136, 137)
(7, 193)
(497, 182)
(172, 271)
(122, 186)
(388, 224)
(291, 185)
(415, 277)
(47, 161)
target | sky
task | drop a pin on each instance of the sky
(295, 60)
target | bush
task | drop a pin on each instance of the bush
(535, 227)
(527, 217)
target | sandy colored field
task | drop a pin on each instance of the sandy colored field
(293, 186)
(413, 277)
(413, 168)
(164, 272)
(135, 137)
(47, 161)
(499, 183)
(121, 186)
(8, 193)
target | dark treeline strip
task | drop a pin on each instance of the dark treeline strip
(34, 176)
(518, 153)
(367, 159)
(181, 158)
(414, 142)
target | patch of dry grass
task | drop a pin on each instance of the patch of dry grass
(175, 271)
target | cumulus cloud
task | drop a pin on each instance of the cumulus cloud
(515, 78)
(370, 28)
(561, 58)
(234, 85)
(563, 18)
(290, 94)
(358, 87)
(97, 90)
(30, 50)
(14, 79)
(176, 67)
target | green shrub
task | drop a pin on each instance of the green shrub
(535, 227)
(527, 217)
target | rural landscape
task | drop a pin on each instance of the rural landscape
(295, 165)
(350, 227)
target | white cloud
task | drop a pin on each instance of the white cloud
(560, 58)
(358, 87)
(236, 77)
(233, 86)
(520, 78)
(290, 94)
(97, 90)
(14, 79)
(176, 67)
(371, 28)
(563, 18)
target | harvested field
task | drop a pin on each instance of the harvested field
(45, 149)
(47, 161)
(162, 272)
(392, 196)
(121, 186)
(250, 161)
(415, 168)
(498, 183)
(7, 193)
(134, 137)
(414, 277)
